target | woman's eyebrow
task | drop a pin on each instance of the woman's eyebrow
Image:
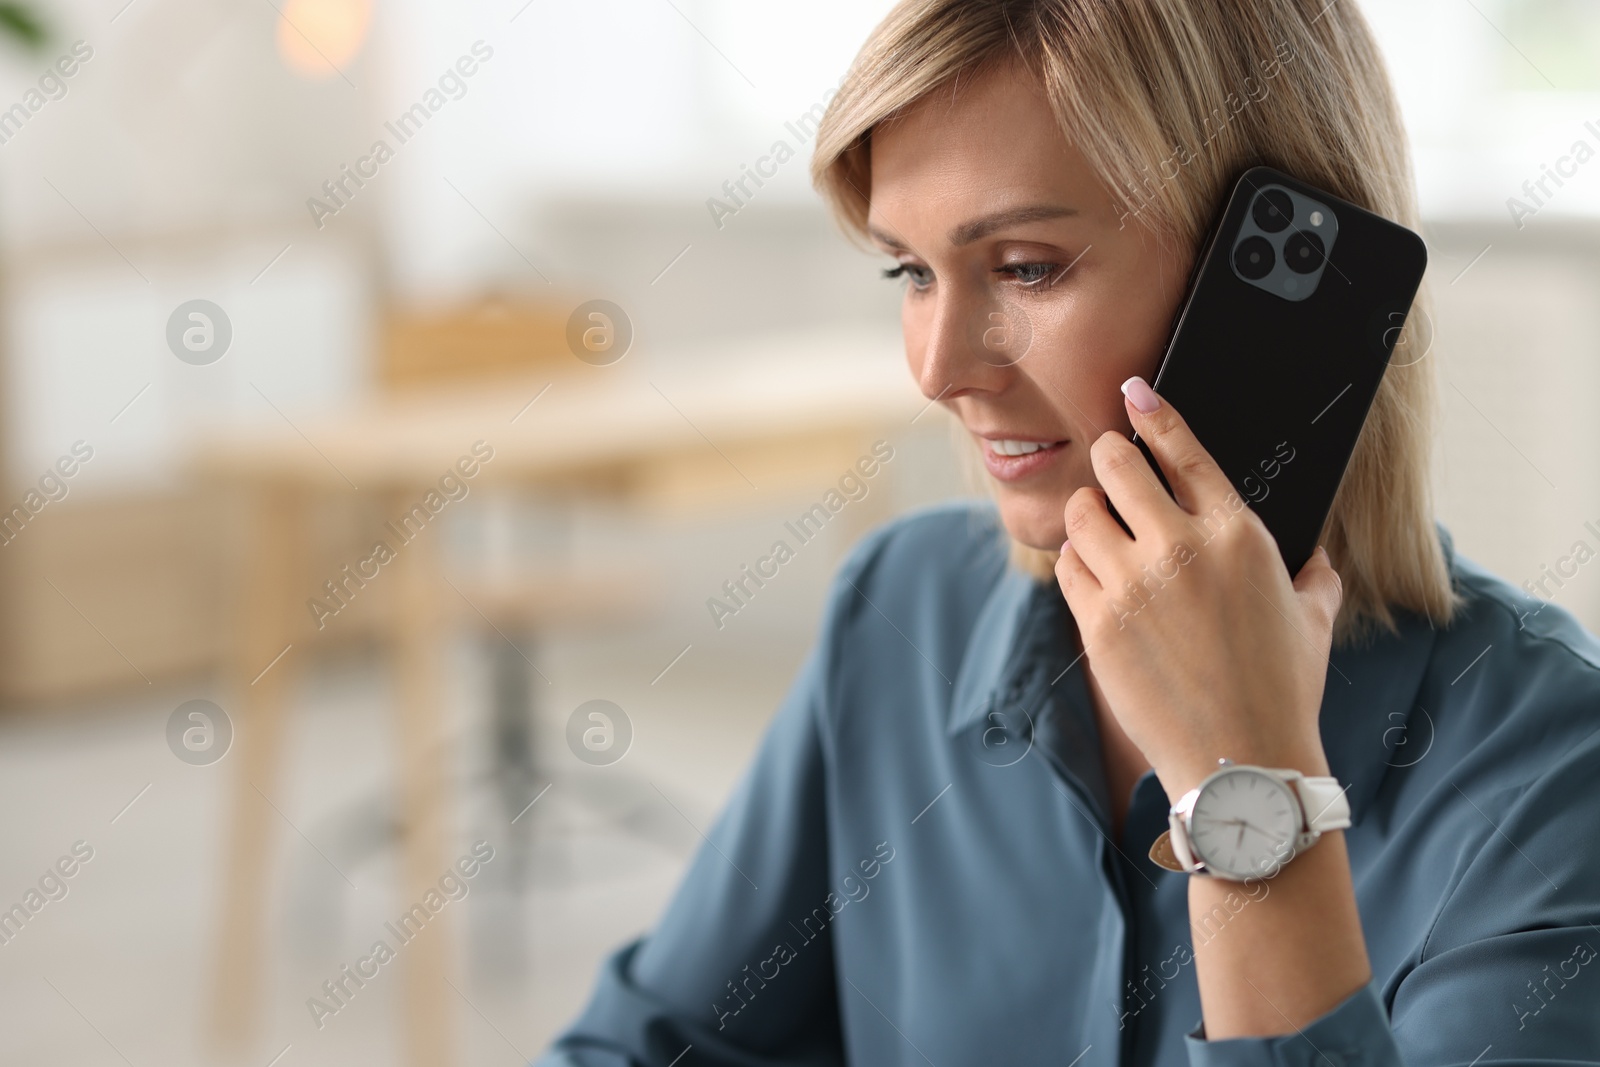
(984, 225)
(981, 227)
(885, 239)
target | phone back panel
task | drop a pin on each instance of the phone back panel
(1277, 389)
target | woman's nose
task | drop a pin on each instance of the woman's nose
(972, 346)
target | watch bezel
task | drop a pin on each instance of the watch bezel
(1279, 853)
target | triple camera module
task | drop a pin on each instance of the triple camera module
(1284, 243)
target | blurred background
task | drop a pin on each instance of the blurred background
(282, 283)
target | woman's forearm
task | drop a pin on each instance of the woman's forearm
(1274, 955)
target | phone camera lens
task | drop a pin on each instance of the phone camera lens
(1303, 252)
(1253, 257)
(1273, 210)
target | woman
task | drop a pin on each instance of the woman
(941, 854)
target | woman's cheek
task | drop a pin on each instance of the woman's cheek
(1082, 379)
(913, 331)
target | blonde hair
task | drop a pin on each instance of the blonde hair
(1151, 91)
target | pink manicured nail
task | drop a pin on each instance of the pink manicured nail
(1065, 544)
(1140, 395)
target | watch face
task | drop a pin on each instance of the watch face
(1244, 824)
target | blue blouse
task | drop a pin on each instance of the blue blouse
(919, 867)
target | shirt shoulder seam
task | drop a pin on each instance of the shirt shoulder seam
(1485, 591)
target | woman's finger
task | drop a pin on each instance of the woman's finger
(1093, 532)
(1077, 581)
(1196, 480)
(1132, 486)
(1319, 584)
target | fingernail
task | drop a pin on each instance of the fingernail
(1140, 395)
(1065, 544)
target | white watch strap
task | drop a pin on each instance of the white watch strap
(1322, 802)
(1325, 804)
(1178, 835)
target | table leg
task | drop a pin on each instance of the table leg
(427, 1001)
(263, 625)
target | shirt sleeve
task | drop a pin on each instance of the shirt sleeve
(697, 979)
(1354, 1033)
(1508, 974)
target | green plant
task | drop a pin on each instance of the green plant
(18, 22)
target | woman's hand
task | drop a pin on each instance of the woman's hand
(1202, 645)
(1203, 648)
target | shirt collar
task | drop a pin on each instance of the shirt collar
(996, 665)
(1019, 646)
(1369, 697)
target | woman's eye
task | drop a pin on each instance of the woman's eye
(919, 277)
(1031, 274)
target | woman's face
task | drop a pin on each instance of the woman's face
(1029, 300)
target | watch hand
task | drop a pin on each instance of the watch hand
(1243, 825)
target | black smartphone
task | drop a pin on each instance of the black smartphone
(1294, 308)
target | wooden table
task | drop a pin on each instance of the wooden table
(790, 414)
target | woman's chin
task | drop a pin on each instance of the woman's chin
(1034, 522)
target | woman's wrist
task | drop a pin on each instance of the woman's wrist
(1273, 956)
(1180, 775)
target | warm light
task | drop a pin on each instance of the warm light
(317, 38)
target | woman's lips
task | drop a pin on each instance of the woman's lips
(1015, 468)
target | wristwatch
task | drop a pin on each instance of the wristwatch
(1245, 822)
